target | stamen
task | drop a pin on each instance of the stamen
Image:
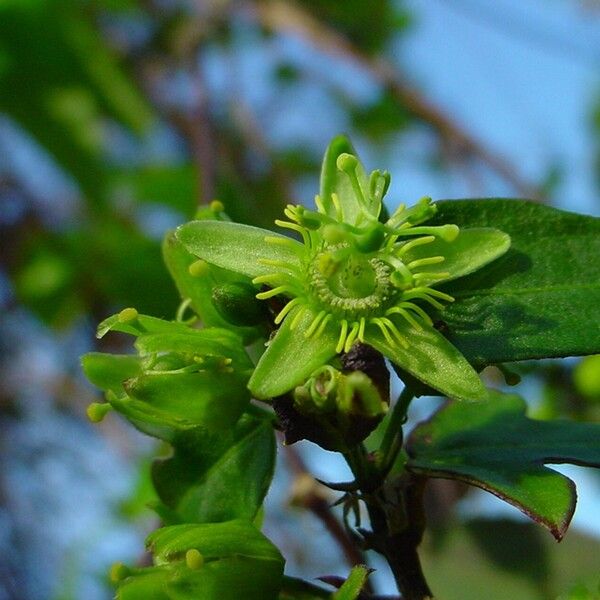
(418, 310)
(297, 318)
(448, 233)
(343, 335)
(351, 337)
(423, 262)
(319, 205)
(361, 329)
(324, 322)
(286, 310)
(315, 323)
(339, 213)
(413, 243)
(379, 322)
(440, 295)
(281, 241)
(294, 227)
(397, 310)
(390, 325)
(281, 289)
(348, 163)
(422, 294)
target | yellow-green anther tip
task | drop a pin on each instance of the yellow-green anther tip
(127, 315)
(333, 234)
(198, 268)
(347, 162)
(118, 572)
(217, 206)
(449, 232)
(194, 559)
(96, 411)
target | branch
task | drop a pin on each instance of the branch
(312, 498)
(285, 17)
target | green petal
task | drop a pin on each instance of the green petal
(471, 250)
(432, 359)
(335, 181)
(238, 247)
(290, 358)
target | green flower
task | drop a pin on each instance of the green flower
(354, 278)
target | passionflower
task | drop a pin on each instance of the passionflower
(354, 277)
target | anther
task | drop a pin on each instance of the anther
(199, 268)
(194, 559)
(118, 572)
(217, 206)
(349, 165)
(96, 411)
(127, 315)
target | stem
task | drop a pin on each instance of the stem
(393, 437)
(400, 549)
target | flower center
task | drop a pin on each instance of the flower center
(349, 284)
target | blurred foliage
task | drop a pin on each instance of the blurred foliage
(118, 95)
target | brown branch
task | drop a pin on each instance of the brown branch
(289, 18)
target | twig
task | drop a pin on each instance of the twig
(290, 18)
(319, 506)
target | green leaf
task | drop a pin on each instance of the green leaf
(494, 446)
(146, 583)
(290, 358)
(137, 324)
(237, 247)
(211, 342)
(471, 250)
(109, 371)
(541, 298)
(212, 540)
(211, 400)
(353, 585)
(434, 361)
(216, 478)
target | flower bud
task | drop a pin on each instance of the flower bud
(237, 303)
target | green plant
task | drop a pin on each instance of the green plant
(441, 289)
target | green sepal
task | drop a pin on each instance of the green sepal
(333, 180)
(213, 540)
(432, 359)
(239, 248)
(211, 400)
(471, 250)
(290, 357)
(109, 371)
(138, 325)
(212, 341)
(495, 446)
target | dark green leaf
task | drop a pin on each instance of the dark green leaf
(496, 447)
(541, 299)
(217, 478)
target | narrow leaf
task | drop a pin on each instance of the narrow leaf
(353, 585)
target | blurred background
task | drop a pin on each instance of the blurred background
(118, 117)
